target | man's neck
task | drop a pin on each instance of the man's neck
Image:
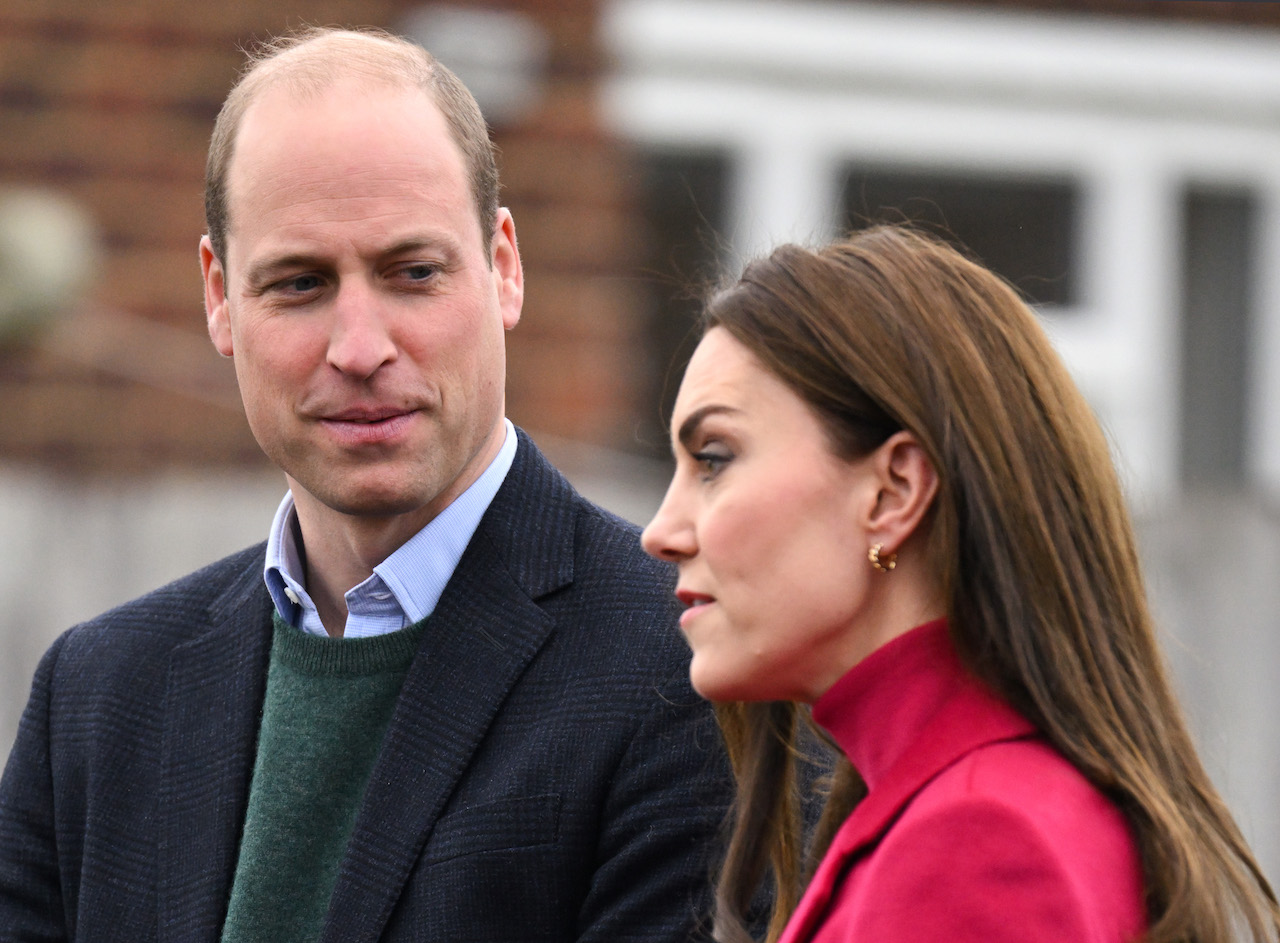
(340, 552)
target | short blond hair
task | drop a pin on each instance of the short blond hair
(312, 59)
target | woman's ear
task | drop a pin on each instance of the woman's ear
(907, 484)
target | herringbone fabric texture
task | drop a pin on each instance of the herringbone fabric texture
(547, 773)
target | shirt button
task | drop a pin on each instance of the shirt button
(293, 597)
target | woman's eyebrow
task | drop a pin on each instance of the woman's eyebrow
(689, 428)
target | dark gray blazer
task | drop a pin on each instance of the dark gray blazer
(548, 773)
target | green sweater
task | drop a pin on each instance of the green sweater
(327, 706)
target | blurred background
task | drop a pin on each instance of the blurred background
(1118, 160)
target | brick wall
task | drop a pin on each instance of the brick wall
(112, 102)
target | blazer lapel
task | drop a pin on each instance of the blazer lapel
(484, 632)
(212, 712)
(971, 719)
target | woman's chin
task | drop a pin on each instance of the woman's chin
(715, 684)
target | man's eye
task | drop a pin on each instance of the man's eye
(301, 284)
(419, 271)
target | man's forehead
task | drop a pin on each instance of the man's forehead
(284, 94)
(345, 120)
(341, 155)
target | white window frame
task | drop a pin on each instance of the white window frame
(1133, 111)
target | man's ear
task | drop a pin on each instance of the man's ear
(216, 313)
(505, 259)
(907, 483)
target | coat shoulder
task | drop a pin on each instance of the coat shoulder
(156, 622)
(1017, 825)
(608, 547)
(631, 595)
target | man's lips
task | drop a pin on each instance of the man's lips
(368, 425)
(365, 414)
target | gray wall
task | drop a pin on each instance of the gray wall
(70, 549)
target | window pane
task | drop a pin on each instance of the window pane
(1022, 228)
(683, 204)
(1216, 281)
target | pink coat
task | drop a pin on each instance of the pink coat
(975, 829)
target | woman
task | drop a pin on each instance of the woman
(892, 503)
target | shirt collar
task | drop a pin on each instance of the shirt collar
(406, 586)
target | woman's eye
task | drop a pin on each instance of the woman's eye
(712, 461)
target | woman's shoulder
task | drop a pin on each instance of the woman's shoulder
(1029, 780)
(1017, 825)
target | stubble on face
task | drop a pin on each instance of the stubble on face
(366, 321)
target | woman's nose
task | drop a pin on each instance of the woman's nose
(669, 535)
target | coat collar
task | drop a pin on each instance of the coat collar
(212, 709)
(962, 716)
(485, 630)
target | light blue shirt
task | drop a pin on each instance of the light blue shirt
(406, 586)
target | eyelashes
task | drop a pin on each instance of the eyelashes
(712, 461)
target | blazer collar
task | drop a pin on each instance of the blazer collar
(212, 709)
(530, 522)
(485, 630)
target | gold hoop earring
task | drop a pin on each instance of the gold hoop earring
(885, 565)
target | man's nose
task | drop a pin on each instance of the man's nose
(360, 340)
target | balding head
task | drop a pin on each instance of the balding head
(312, 60)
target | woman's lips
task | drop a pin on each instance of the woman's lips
(695, 604)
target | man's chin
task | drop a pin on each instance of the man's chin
(378, 505)
(373, 500)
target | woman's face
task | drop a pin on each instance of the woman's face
(763, 521)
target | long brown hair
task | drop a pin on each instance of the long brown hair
(891, 329)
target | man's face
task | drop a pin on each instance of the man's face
(363, 308)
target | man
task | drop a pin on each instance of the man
(446, 700)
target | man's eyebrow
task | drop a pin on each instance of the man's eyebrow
(441, 244)
(689, 428)
(262, 272)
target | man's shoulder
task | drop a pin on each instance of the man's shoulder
(612, 603)
(115, 665)
(608, 547)
(621, 606)
(179, 610)
(549, 532)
